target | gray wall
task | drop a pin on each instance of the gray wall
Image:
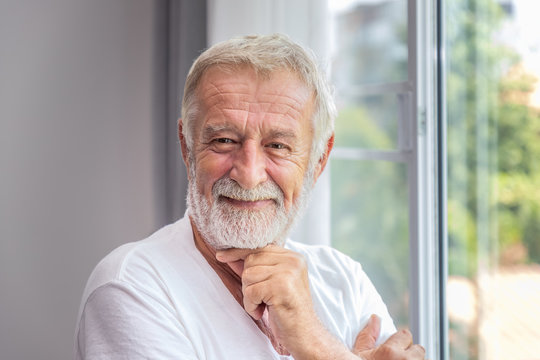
(87, 162)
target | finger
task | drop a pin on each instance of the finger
(261, 257)
(232, 255)
(256, 274)
(254, 300)
(402, 339)
(368, 336)
(416, 352)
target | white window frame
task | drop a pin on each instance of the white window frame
(428, 250)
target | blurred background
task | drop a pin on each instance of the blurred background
(89, 159)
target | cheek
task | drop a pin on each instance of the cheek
(289, 179)
(209, 169)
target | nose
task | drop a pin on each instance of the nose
(249, 165)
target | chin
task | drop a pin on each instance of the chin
(242, 243)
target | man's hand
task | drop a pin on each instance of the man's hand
(276, 279)
(398, 346)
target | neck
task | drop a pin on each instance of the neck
(231, 280)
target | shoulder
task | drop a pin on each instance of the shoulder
(325, 258)
(121, 320)
(332, 270)
(139, 263)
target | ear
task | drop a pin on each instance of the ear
(183, 145)
(324, 158)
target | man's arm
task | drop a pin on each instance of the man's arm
(277, 279)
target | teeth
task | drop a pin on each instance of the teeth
(246, 199)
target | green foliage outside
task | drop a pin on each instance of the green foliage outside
(493, 154)
(493, 144)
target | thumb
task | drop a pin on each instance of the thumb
(368, 335)
(234, 258)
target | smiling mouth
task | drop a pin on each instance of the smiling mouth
(253, 204)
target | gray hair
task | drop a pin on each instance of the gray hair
(265, 54)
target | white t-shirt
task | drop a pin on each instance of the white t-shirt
(159, 299)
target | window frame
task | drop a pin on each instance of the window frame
(429, 309)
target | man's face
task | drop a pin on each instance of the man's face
(249, 162)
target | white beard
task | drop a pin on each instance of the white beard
(223, 225)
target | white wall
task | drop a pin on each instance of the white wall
(77, 156)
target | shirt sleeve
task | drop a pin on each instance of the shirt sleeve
(120, 321)
(372, 303)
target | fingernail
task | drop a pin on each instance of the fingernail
(374, 319)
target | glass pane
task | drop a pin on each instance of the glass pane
(493, 57)
(370, 41)
(370, 223)
(368, 122)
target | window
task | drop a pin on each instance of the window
(370, 183)
(493, 151)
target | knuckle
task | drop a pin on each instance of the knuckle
(253, 293)
(419, 349)
(387, 351)
(287, 288)
(250, 258)
(298, 260)
(406, 332)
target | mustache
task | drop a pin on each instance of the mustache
(227, 187)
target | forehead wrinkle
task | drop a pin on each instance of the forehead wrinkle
(295, 102)
(272, 116)
(275, 109)
(245, 108)
(224, 100)
(239, 93)
(237, 101)
(212, 94)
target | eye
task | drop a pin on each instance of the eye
(222, 144)
(277, 146)
(224, 141)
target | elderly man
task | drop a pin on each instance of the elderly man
(224, 282)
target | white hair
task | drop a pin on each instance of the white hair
(265, 54)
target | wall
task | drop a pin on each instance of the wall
(81, 160)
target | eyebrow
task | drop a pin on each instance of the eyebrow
(211, 130)
(288, 134)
